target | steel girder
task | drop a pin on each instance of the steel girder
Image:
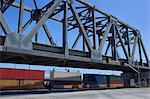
(97, 33)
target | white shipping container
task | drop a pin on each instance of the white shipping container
(70, 76)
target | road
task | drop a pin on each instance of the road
(132, 93)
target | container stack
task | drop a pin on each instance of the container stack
(115, 81)
(21, 79)
(65, 79)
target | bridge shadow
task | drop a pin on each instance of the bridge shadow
(45, 91)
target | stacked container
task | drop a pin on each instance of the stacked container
(115, 81)
(21, 79)
(65, 79)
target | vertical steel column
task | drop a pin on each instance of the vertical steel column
(36, 35)
(65, 31)
(83, 44)
(134, 46)
(99, 40)
(21, 9)
(140, 53)
(94, 28)
(112, 47)
(127, 31)
(114, 44)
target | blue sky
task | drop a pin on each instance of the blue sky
(134, 12)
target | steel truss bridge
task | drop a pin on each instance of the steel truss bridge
(70, 33)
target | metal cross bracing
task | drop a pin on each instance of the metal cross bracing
(70, 33)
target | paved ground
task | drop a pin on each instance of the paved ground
(132, 93)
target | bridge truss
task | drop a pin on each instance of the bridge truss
(70, 33)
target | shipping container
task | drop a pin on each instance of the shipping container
(115, 78)
(11, 78)
(6, 84)
(95, 86)
(25, 74)
(65, 82)
(60, 80)
(94, 81)
(115, 81)
(65, 76)
(116, 85)
(62, 87)
(33, 84)
(68, 86)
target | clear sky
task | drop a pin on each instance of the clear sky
(134, 12)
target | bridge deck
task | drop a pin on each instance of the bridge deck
(48, 55)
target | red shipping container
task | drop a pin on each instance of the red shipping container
(116, 82)
(116, 85)
(10, 73)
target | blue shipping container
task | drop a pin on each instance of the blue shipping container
(94, 79)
